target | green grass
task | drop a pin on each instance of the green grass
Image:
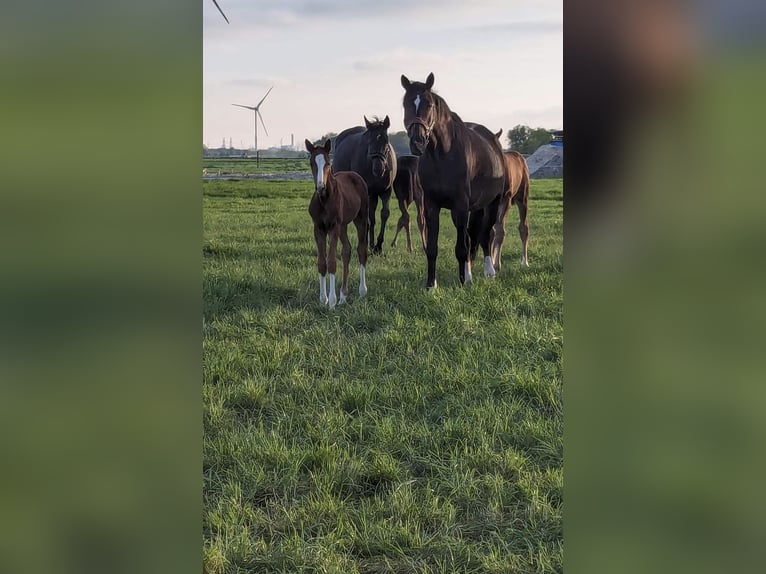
(249, 165)
(403, 432)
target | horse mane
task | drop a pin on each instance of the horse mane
(376, 122)
(444, 110)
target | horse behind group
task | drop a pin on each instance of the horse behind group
(517, 194)
(339, 198)
(366, 151)
(408, 190)
(460, 170)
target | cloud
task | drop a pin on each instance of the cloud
(532, 28)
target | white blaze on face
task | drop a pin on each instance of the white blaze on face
(320, 171)
(417, 103)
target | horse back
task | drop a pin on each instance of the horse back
(485, 162)
(346, 144)
(353, 190)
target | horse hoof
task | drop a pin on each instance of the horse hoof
(489, 268)
(323, 301)
(432, 288)
(342, 298)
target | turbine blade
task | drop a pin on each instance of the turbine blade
(221, 11)
(246, 107)
(262, 122)
(258, 105)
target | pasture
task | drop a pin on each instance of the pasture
(247, 166)
(403, 432)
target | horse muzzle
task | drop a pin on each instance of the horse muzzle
(417, 146)
(420, 134)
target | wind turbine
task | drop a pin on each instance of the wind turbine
(257, 114)
(221, 11)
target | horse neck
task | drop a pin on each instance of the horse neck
(445, 125)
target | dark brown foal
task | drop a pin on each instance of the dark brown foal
(339, 198)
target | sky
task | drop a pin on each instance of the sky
(331, 62)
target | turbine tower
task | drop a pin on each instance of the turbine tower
(256, 115)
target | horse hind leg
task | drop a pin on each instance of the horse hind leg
(346, 257)
(523, 229)
(462, 245)
(407, 229)
(487, 236)
(332, 298)
(401, 222)
(474, 228)
(499, 232)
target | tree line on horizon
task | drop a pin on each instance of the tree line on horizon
(520, 138)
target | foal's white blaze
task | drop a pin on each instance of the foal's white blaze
(417, 103)
(320, 170)
(362, 282)
(489, 267)
(322, 291)
(332, 300)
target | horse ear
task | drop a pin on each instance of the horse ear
(499, 133)
(386, 123)
(309, 146)
(366, 122)
(328, 145)
(405, 82)
(430, 81)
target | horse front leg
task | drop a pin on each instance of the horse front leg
(432, 244)
(332, 265)
(384, 213)
(361, 250)
(460, 219)
(421, 219)
(373, 206)
(320, 237)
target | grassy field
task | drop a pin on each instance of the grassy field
(403, 432)
(248, 166)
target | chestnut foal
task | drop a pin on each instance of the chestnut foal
(339, 198)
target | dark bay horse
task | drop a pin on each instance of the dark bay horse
(517, 194)
(408, 190)
(339, 198)
(366, 151)
(459, 170)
